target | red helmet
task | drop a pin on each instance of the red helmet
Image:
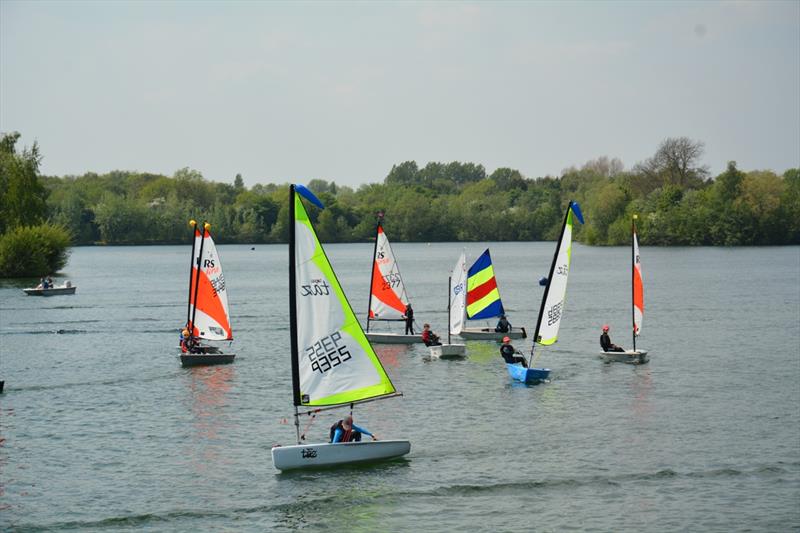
(605, 327)
(506, 339)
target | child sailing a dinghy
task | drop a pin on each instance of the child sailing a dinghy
(605, 342)
(345, 431)
(508, 352)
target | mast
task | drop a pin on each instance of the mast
(206, 225)
(449, 291)
(549, 280)
(293, 312)
(372, 272)
(193, 224)
(633, 281)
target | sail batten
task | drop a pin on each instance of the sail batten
(332, 361)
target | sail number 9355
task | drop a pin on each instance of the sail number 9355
(327, 353)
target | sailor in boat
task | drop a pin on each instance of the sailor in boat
(409, 316)
(345, 431)
(188, 343)
(503, 325)
(429, 337)
(605, 342)
(509, 353)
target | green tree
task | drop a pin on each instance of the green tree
(22, 196)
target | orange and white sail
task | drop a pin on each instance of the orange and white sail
(638, 287)
(388, 297)
(210, 298)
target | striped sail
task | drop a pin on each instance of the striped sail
(458, 290)
(555, 292)
(333, 363)
(388, 298)
(638, 287)
(483, 297)
(212, 316)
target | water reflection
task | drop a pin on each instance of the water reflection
(642, 389)
(208, 390)
(391, 355)
(347, 498)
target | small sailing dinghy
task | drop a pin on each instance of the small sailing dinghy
(633, 357)
(207, 315)
(387, 295)
(552, 307)
(483, 302)
(456, 311)
(333, 363)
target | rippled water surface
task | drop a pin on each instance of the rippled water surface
(103, 430)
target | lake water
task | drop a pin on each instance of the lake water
(102, 430)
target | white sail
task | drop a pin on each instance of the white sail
(212, 317)
(638, 288)
(335, 362)
(388, 298)
(458, 293)
(553, 306)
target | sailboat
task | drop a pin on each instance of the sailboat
(456, 311)
(207, 314)
(552, 308)
(387, 295)
(634, 357)
(333, 363)
(483, 302)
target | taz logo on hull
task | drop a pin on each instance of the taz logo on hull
(308, 453)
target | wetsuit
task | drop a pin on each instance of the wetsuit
(509, 355)
(430, 338)
(605, 343)
(409, 321)
(503, 326)
(339, 434)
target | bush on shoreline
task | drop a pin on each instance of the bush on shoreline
(33, 251)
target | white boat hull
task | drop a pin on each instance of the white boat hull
(448, 351)
(489, 334)
(392, 338)
(327, 454)
(631, 357)
(50, 292)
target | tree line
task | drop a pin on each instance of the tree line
(676, 198)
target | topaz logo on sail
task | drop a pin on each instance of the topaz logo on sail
(317, 287)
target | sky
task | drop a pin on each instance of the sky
(342, 91)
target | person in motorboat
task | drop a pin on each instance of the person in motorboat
(606, 344)
(509, 353)
(345, 431)
(409, 316)
(503, 325)
(429, 337)
(50, 284)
